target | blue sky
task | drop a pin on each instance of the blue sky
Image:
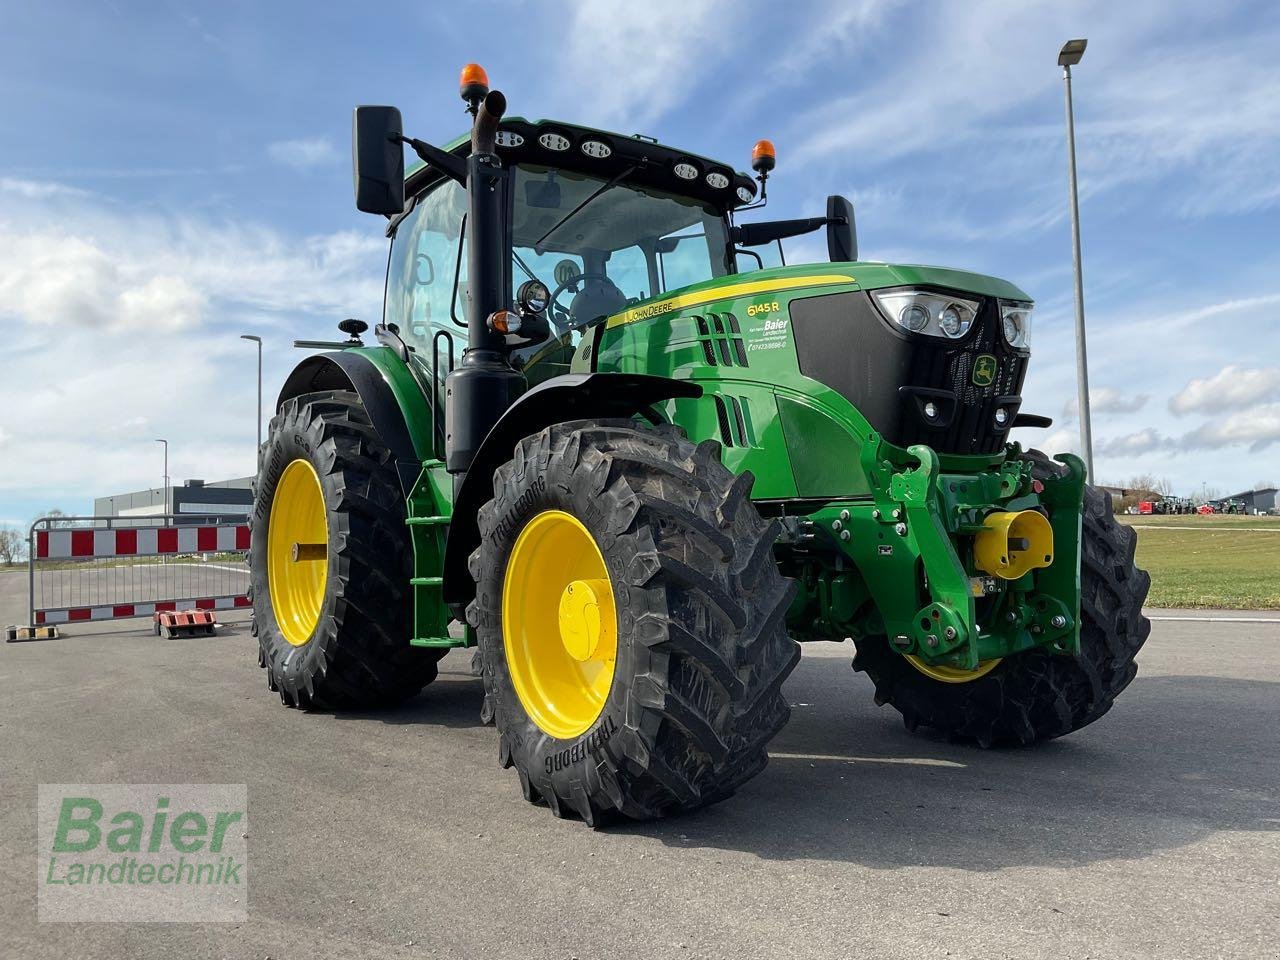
(175, 174)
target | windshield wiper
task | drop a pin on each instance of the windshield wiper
(572, 213)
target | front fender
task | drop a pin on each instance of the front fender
(574, 396)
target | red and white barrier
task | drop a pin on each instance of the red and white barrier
(124, 611)
(87, 591)
(139, 542)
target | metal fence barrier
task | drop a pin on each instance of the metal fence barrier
(114, 568)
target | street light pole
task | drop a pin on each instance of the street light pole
(258, 341)
(166, 474)
(1070, 55)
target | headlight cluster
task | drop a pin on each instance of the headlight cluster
(1015, 321)
(933, 314)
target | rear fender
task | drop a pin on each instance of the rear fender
(389, 392)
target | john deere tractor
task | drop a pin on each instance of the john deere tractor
(605, 435)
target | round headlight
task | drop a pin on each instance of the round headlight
(1015, 323)
(745, 194)
(930, 410)
(952, 321)
(533, 296)
(914, 317)
(1001, 415)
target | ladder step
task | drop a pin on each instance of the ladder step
(427, 521)
(427, 581)
(438, 642)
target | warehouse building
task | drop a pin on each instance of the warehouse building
(196, 501)
(1262, 500)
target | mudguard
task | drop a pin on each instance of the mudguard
(574, 396)
(357, 370)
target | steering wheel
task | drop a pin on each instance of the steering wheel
(553, 307)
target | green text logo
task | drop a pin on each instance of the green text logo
(142, 852)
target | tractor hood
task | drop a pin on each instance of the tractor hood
(797, 281)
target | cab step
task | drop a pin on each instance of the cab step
(427, 521)
(438, 642)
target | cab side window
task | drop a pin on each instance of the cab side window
(420, 295)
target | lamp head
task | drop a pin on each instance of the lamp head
(1071, 52)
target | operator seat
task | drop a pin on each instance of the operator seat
(599, 297)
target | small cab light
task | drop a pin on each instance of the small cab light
(504, 321)
(533, 297)
(473, 83)
(763, 156)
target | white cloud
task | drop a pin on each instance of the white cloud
(1108, 400)
(38, 189)
(1136, 444)
(51, 277)
(1259, 427)
(1149, 105)
(638, 60)
(1060, 441)
(304, 154)
(121, 327)
(1230, 388)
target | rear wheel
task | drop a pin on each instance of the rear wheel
(630, 620)
(330, 561)
(1034, 695)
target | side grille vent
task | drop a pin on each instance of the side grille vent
(721, 339)
(733, 414)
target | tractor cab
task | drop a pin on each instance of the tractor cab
(597, 222)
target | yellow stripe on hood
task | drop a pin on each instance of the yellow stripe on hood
(698, 297)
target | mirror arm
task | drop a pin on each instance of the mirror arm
(455, 168)
(758, 234)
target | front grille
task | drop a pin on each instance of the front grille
(843, 341)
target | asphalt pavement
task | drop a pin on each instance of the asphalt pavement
(1153, 833)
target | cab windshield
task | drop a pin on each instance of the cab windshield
(598, 246)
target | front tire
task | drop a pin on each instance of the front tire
(687, 617)
(333, 615)
(1037, 695)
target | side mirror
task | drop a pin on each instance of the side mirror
(842, 234)
(377, 160)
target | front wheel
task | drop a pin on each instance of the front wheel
(630, 621)
(1034, 695)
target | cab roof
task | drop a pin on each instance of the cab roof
(554, 143)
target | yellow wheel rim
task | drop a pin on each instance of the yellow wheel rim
(559, 624)
(297, 552)
(947, 674)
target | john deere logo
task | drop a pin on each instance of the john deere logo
(984, 370)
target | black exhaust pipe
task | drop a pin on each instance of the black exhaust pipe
(484, 384)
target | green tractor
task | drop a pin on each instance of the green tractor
(607, 437)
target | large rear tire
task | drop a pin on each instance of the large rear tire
(333, 621)
(1036, 695)
(666, 701)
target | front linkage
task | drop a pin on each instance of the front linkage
(965, 567)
